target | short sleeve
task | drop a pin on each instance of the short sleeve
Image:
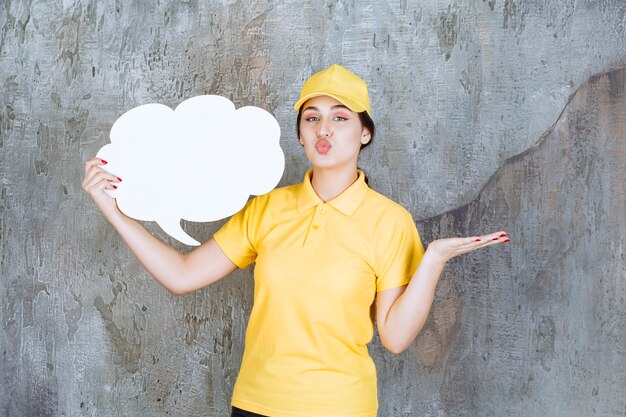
(401, 256)
(235, 238)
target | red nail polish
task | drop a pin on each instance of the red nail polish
(104, 162)
(495, 238)
(119, 179)
(114, 186)
(503, 234)
(476, 240)
(507, 240)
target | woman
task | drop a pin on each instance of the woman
(325, 251)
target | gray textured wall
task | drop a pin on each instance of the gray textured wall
(490, 115)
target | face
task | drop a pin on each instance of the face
(331, 133)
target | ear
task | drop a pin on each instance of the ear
(366, 136)
(301, 141)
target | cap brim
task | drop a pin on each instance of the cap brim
(353, 105)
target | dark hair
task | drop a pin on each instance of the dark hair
(365, 118)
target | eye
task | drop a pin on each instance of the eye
(339, 118)
(311, 118)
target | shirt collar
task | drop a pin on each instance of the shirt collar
(347, 202)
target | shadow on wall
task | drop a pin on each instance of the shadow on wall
(542, 317)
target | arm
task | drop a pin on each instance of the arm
(401, 312)
(178, 273)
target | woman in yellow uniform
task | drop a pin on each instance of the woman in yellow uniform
(325, 250)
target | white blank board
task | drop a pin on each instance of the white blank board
(199, 162)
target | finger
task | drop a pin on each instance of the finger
(105, 176)
(110, 186)
(93, 162)
(92, 173)
(500, 237)
(492, 243)
(466, 244)
(98, 177)
(101, 186)
(480, 240)
(500, 234)
(494, 236)
(477, 242)
(95, 171)
(104, 184)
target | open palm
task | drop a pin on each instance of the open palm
(448, 248)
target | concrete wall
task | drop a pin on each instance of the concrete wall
(490, 115)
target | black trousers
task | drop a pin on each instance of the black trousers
(238, 412)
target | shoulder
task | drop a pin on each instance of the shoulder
(383, 221)
(279, 194)
(385, 208)
(394, 238)
(279, 199)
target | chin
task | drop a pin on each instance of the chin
(316, 159)
(317, 163)
(327, 161)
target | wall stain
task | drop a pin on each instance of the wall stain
(44, 150)
(24, 290)
(223, 340)
(74, 128)
(192, 324)
(7, 113)
(513, 16)
(447, 27)
(73, 312)
(8, 27)
(21, 26)
(127, 352)
(542, 342)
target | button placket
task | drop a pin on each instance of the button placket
(319, 219)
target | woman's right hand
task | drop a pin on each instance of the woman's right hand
(96, 181)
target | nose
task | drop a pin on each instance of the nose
(324, 130)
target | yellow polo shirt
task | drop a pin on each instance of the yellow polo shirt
(318, 268)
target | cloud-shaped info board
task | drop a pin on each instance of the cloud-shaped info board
(199, 162)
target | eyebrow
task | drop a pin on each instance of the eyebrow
(336, 106)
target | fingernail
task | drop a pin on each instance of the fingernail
(104, 162)
(507, 240)
(119, 179)
(503, 234)
(114, 186)
(476, 240)
(495, 238)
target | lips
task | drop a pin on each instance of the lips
(323, 146)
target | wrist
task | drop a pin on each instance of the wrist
(115, 217)
(435, 256)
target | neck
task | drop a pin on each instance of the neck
(329, 183)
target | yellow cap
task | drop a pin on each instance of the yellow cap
(339, 83)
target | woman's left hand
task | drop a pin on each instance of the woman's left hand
(448, 248)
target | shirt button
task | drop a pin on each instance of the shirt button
(323, 210)
(315, 227)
